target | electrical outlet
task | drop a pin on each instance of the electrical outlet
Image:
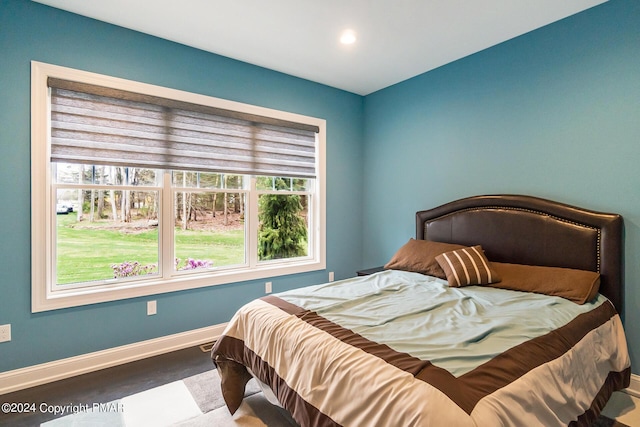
(331, 277)
(5, 333)
(152, 308)
(267, 288)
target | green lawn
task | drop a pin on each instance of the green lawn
(86, 254)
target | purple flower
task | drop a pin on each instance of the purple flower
(192, 264)
(129, 269)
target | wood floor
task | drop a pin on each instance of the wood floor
(107, 385)
(117, 382)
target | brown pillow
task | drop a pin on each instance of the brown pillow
(419, 256)
(467, 266)
(579, 286)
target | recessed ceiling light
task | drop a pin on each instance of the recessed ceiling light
(348, 37)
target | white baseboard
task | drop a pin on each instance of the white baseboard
(31, 376)
(634, 387)
(44, 373)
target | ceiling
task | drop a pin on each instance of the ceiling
(396, 39)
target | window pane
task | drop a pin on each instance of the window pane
(109, 234)
(270, 183)
(209, 229)
(233, 182)
(71, 173)
(207, 180)
(67, 173)
(190, 179)
(141, 176)
(264, 183)
(283, 229)
(302, 184)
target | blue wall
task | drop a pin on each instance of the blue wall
(554, 113)
(31, 31)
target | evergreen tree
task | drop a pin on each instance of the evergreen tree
(282, 230)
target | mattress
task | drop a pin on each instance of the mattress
(401, 348)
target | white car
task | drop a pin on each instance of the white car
(63, 209)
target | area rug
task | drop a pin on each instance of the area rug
(192, 402)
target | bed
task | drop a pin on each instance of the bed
(504, 310)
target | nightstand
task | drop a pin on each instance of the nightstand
(369, 271)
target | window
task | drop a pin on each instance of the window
(139, 189)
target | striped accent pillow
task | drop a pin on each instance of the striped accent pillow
(467, 266)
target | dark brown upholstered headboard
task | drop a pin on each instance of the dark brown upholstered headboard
(529, 230)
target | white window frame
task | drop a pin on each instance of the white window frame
(46, 296)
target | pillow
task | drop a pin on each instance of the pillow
(579, 286)
(419, 256)
(467, 266)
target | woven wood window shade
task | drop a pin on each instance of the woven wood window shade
(97, 125)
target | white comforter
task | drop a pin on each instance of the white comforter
(402, 349)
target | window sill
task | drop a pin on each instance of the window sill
(54, 300)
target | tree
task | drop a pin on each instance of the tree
(80, 194)
(282, 229)
(186, 203)
(112, 196)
